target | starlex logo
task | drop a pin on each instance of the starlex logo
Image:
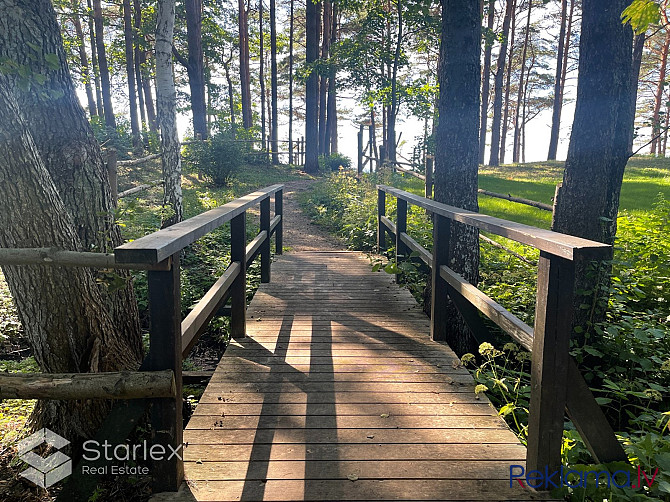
(545, 480)
(45, 471)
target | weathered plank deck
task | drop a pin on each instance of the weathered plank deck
(338, 393)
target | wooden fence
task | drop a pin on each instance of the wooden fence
(159, 379)
(556, 383)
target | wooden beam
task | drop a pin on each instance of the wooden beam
(254, 246)
(56, 257)
(238, 289)
(113, 385)
(265, 241)
(425, 256)
(438, 301)
(277, 223)
(381, 212)
(141, 160)
(196, 321)
(520, 200)
(389, 225)
(273, 224)
(139, 188)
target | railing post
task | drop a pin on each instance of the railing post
(238, 290)
(165, 353)
(360, 150)
(381, 229)
(550, 359)
(265, 247)
(429, 177)
(279, 229)
(438, 300)
(401, 227)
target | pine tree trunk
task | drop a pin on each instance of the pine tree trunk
(83, 58)
(313, 18)
(274, 83)
(195, 67)
(638, 50)
(508, 86)
(658, 96)
(130, 73)
(331, 115)
(290, 85)
(324, 146)
(94, 62)
(556, 111)
(166, 107)
(137, 40)
(231, 95)
(261, 72)
(517, 124)
(393, 112)
(245, 77)
(456, 161)
(486, 84)
(494, 158)
(148, 97)
(110, 120)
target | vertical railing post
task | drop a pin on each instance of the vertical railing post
(429, 177)
(165, 353)
(381, 229)
(438, 300)
(401, 227)
(238, 290)
(265, 247)
(550, 358)
(360, 150)
(279, 229)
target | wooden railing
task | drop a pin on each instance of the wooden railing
(170, 338)
(557, 385)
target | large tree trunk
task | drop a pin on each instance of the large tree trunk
(556, 113)
(494, 158)
(83, 58)
(274, 84)
(638, 50)
(456, 161)
(520, 92)
(486, 83)
(110, 120)
(195, 68)
(166, 106)
(70, 154)
(331, 115)
(290, 84)
(313, 18)
(245, 76)
(94, 61)
(130, 72)
(324, 146)
(588, 201)
(393, 112)
(261, 71)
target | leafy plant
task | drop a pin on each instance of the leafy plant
(217, 157)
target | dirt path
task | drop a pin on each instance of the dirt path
(300, 234)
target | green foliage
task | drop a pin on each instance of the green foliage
(640, 14)
(334, 162)
(217, 157)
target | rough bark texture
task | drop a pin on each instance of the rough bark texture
(167, 113)
(274, 84)
(103, 66)
(130, 73)
(67, 146)
(94, 62)
(486, 84)
(83, 58)
(313, 17)
(456, 162)
(245, 78)
(195, 67)
(494, 158)
(558, 104)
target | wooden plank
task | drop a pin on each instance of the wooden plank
(545, 240)
(277, 226)
(264, 376)
(438, 299)
(388, 225)
(57, 257)
(265, 243)
(520, 200)
(160, 245)
(319, 396)
(381, 212)
(238, 289)
(425, 256)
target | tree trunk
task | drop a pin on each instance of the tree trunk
(83, 58)
(110, 120)
(130, 73)
(231, 97)
(658, 96)
(508, 85)
(290, 85)
(393, 112)
(94, 62)
(638, 50)
(456, 162)
(517, 124)
(486, 83)
(274, 82)
(494, 158)
(148, 97)
(245, 77)
(313, 18)
(137, 38)
(261, 72)
(166, 107)
(324, 145)
(556, 114)
(331, 115)
(588, 201)
(195, 68)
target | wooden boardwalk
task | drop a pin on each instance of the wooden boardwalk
(338, 393)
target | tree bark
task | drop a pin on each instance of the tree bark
(313, 18)
(137, 40)
(130, 73)
(195, 67)
(658, 96)
(83, 58)
(486, 83)
(517, 124)
(508, 86)
(166, 107)
(324, 148)
(274, 84)
(110, 120)
(261, 72)
(393, 112)
(245, 77)
(456, 162)
(94, 62)
(290, 83)
(494, 158)
(148, 97)
(231, 96)
(331, 115)
(638, 50)
(556, 111)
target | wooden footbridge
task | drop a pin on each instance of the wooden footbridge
(335, 385)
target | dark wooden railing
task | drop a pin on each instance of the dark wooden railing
(557, 385)
(159, 379)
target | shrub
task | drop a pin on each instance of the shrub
(333, 162)
(217, 157)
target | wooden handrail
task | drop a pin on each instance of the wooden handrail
(57, 257)
(158, 246)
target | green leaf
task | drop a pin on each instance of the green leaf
(640, 14)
